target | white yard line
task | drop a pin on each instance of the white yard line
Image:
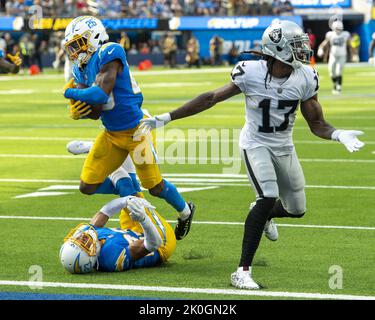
(22, 138)
(225, 223)
(126, 288)
(191, 160)
(242, 181)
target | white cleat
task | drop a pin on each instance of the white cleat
(79, 147)
(336, 92)
(242, 280)
(270, 230)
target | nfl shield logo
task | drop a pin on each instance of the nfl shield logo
(275, 35)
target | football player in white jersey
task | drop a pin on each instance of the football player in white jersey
(337, 42)
(273, 87)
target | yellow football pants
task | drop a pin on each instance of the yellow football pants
(165, 230)
(110, 151)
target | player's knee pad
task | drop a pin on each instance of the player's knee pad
(270, 189)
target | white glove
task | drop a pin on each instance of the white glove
(348, 138)
(137, 207)
(148, 124)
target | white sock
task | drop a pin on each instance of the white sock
(184, 214)
(240, 269)
(117, 175)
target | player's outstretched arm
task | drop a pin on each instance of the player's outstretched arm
(115, 206)
(152, 239)
(99, 93)
(313, 113)
(194, 106)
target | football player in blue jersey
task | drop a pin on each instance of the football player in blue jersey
(13, 66)
(103, 87)
(146, 241)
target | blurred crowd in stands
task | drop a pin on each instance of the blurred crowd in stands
(146, 8)
(34, 46)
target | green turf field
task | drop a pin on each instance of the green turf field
(34, 130)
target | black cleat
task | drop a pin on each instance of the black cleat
(183, 226)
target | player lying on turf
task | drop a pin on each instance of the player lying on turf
(146, 240)
(273, 89)
(109, 92)
(13, 66)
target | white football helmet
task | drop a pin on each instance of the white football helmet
(80, 251)
(83, 36)
(285, 41)
(337, 26)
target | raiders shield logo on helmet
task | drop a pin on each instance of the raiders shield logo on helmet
(275, 35)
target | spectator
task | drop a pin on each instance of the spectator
(40, 47)
(144, 49)
(147, 8)
(27, 49)
(9, 43)
(192, 53)
(282, 7)
(48, 8)
(176, 8)
(189, 7)
(233, 55)
(355, 43)
(3, 45)
(170, 50)
(216, 50)
(312, 40)
(125, 41)
(133, 49)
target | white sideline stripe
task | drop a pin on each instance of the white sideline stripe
(208, 160)
(225, 223)
(280, 294)
(203, 182)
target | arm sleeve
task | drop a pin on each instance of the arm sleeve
(114, 206)
(312, 84)
(91, 95)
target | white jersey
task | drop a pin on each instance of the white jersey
(338, 42)
(271, 107)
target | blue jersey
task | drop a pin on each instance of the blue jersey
(114, 253)
(123, 110)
